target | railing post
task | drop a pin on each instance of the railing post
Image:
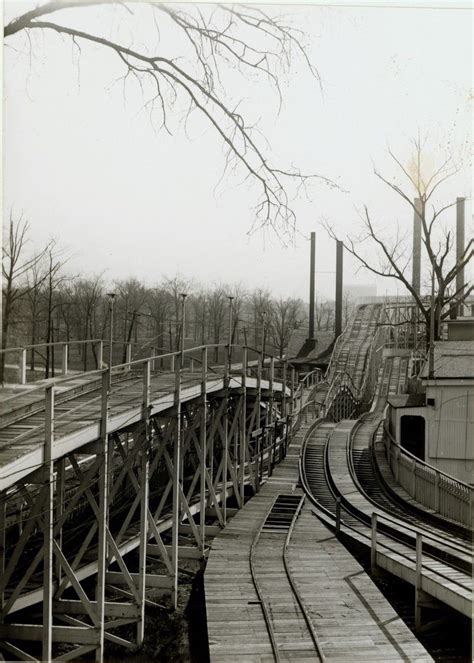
(338, 515)
(48, 521)
(172, 363)
(144, 469)
(418, 582)
(128, 354)
(22, 367)
(203, 441)
(100, 354)
(373, 544)
(243, 423)
(102, 515)
(176, 480)
(283, 396)
(292, 391)
(436, 492)
(64, 359)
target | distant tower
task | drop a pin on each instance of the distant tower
(416, 262)
(339, 280)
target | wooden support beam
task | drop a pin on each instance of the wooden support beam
(19, 653)
(211, 530)
(203, 451)
(35, 633)
(48, 520)
(110, 609)
(185, 552)
(102, 514)
(175, 479)
(151, 580)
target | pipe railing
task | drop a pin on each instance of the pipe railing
(431, 487)
(138, 370)
(31, 363)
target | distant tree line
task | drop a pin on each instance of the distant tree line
(43, 303)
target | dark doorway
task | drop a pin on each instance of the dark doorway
(412, 434)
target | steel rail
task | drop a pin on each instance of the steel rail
(330, 518)
(294, 589)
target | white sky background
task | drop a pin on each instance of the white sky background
(87, 168)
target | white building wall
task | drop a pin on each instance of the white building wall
(450, 428)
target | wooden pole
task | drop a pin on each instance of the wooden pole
(144, 470)
(203, 444)
(419, 574)
(176, 479)
(373, 546)
(102, 514)
(243, 424)
(48, 521)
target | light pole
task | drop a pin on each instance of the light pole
(183, 296)
(264, 334)
(230, 298)
(111, 296)
(432, 324)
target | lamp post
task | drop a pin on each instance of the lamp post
(264, 333)
(183, 296)
(111, 296)
(229, 354)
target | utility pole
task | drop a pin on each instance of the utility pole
(111, 296)
(432, 323)
(183, 296)
(229, 354)
(339, 280)
(312, 270)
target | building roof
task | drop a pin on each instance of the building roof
(452, 359)
(406, 400)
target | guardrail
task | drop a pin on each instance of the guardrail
(60, 358)
(432, 488)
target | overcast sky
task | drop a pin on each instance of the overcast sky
(89, 169)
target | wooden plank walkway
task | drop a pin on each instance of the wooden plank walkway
(351, 617)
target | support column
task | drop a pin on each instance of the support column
(64, 359)
(419, 572)
(144, 471)
(339, 280)
(48, 520)
(311, 285)
(243, 425)
(203, 445)
(176, 477)
(102, 514)
(22, 366)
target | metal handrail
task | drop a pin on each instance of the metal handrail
(422, 462)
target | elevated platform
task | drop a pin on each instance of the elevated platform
(351, 618)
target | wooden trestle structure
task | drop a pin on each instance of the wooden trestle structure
(127, 476)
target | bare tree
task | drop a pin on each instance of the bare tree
(53, 281)
(132, 296)
(246, 39)
(176, 286)
(216, 307)
(15, 269)
(260, 306)
(286, 316)
(395, 257)
(159, 306)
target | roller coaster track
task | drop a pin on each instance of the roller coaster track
(269, 550)
(340, 479)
